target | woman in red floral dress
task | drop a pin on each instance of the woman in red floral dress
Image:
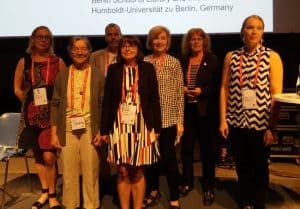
(33, 85)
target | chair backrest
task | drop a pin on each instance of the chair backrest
(9, 126)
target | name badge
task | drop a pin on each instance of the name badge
(77, 123)
(128, 112)
(249, 99)
(40, 96)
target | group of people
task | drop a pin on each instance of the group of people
(117, 107)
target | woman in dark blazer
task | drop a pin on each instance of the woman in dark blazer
(147, 89)
(131, 119)
(202, 74)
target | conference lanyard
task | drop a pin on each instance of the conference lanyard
(256, 71)
(83, 92)
(134, 86)
(32, 71)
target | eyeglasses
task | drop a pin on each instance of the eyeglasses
(42, 38)
(131, 47)
(76, 49)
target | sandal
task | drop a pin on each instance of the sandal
(37, 204)
(53, 195)
(151, 200)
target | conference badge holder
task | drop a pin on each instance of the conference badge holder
(77, 123)
(40, 96)
(128, 112)
(249, 99)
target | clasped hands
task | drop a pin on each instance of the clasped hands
(192, 93)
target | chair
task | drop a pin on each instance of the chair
(9, 125)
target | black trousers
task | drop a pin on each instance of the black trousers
(168, 162)
(251, 158)
(204, 130)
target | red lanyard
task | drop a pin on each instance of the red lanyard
(256, 71)
(134, 86)
(196, 60)
(160, 64)
(83, 87)
(32, 71)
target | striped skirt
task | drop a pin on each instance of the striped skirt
(132, 144)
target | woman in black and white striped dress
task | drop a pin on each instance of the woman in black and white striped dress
(251, 75)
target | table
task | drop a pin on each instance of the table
(291, 98)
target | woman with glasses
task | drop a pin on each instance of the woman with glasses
(33, 85)
(131, 120)
(75, 125)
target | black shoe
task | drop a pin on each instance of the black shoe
(53, 195)
(151, 200)
(37, 204)
(248, 207)
(174, 207)
(208, 198)
(184, 190)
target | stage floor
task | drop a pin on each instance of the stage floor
(284, 190)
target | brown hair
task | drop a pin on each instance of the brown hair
(132, 41)
(185, 45)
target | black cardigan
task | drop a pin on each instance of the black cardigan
(209, 80)
(147, 89)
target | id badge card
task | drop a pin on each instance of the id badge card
(249, 99)
(128, 112)
(40, 96)
(77, 123)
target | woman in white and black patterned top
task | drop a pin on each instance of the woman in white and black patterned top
(251, 75)
(170, 85)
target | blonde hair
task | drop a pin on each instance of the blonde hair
(185, 45)
(248, 18)
(31, 47)
(154, 33)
